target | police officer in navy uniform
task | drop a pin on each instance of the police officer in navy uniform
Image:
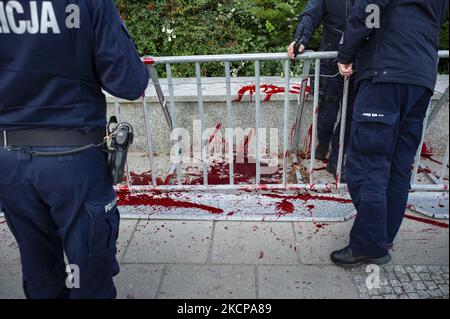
(333, 14)
(55, 59)
(396, 66)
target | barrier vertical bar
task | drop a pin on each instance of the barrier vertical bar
(287, 71)
(314, 124)
(173, 116)
(444, 165)
(258, 120)
(230, 138)
(343, 121)
(198, 75)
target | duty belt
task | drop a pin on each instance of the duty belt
(51, 138)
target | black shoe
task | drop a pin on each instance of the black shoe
(322, 151)
(346, 258)
(332, 169)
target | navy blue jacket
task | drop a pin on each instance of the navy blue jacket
(52, 72)
(333, 14)
(405, 47)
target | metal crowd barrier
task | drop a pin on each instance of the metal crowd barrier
(437, 184)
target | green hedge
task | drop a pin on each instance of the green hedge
(185, 27)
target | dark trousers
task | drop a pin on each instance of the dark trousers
(386, 133)
(58, 206)
(328, 133)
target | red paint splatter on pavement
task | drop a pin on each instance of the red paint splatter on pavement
(285, 207)
(310, 207)
(128, 199)
(427, 221)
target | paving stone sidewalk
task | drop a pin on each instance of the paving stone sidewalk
(193, 259)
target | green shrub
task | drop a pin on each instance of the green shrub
(185, 27)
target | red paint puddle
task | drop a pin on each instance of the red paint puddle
(244, 172)
(285, 207)
(128, 199)
(427, 221)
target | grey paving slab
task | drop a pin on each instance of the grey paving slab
(138, 281)
(209, 282)
(11, 282)
(254, 243)
(399, 281)
(316, 241)
(9, 250)
(420, 243)
(169, 242)
(126, 231)
(305, 282)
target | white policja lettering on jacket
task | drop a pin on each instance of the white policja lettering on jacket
(43, 23)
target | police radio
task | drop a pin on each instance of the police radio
(119, 140)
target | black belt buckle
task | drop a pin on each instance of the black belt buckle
(121, 138)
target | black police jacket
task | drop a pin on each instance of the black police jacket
(57, 56)
(333, 14)
(402, 49)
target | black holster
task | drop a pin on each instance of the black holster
(121, 138)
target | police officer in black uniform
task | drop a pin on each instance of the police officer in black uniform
(55, 59)
(396, 65)
(333, 14)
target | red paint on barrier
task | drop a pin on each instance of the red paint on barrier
(430, 158)
(427, 221)
(128, 199)
(308, 197)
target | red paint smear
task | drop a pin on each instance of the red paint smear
(3, 222)
(268, 89)
(430, 158)
(319, 227)
(427, 221)
(310, 207)
(308, 197)
(285, 207)
(425, 170)
(127, 199)
(218, 127)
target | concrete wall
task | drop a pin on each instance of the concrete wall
(243, 112)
